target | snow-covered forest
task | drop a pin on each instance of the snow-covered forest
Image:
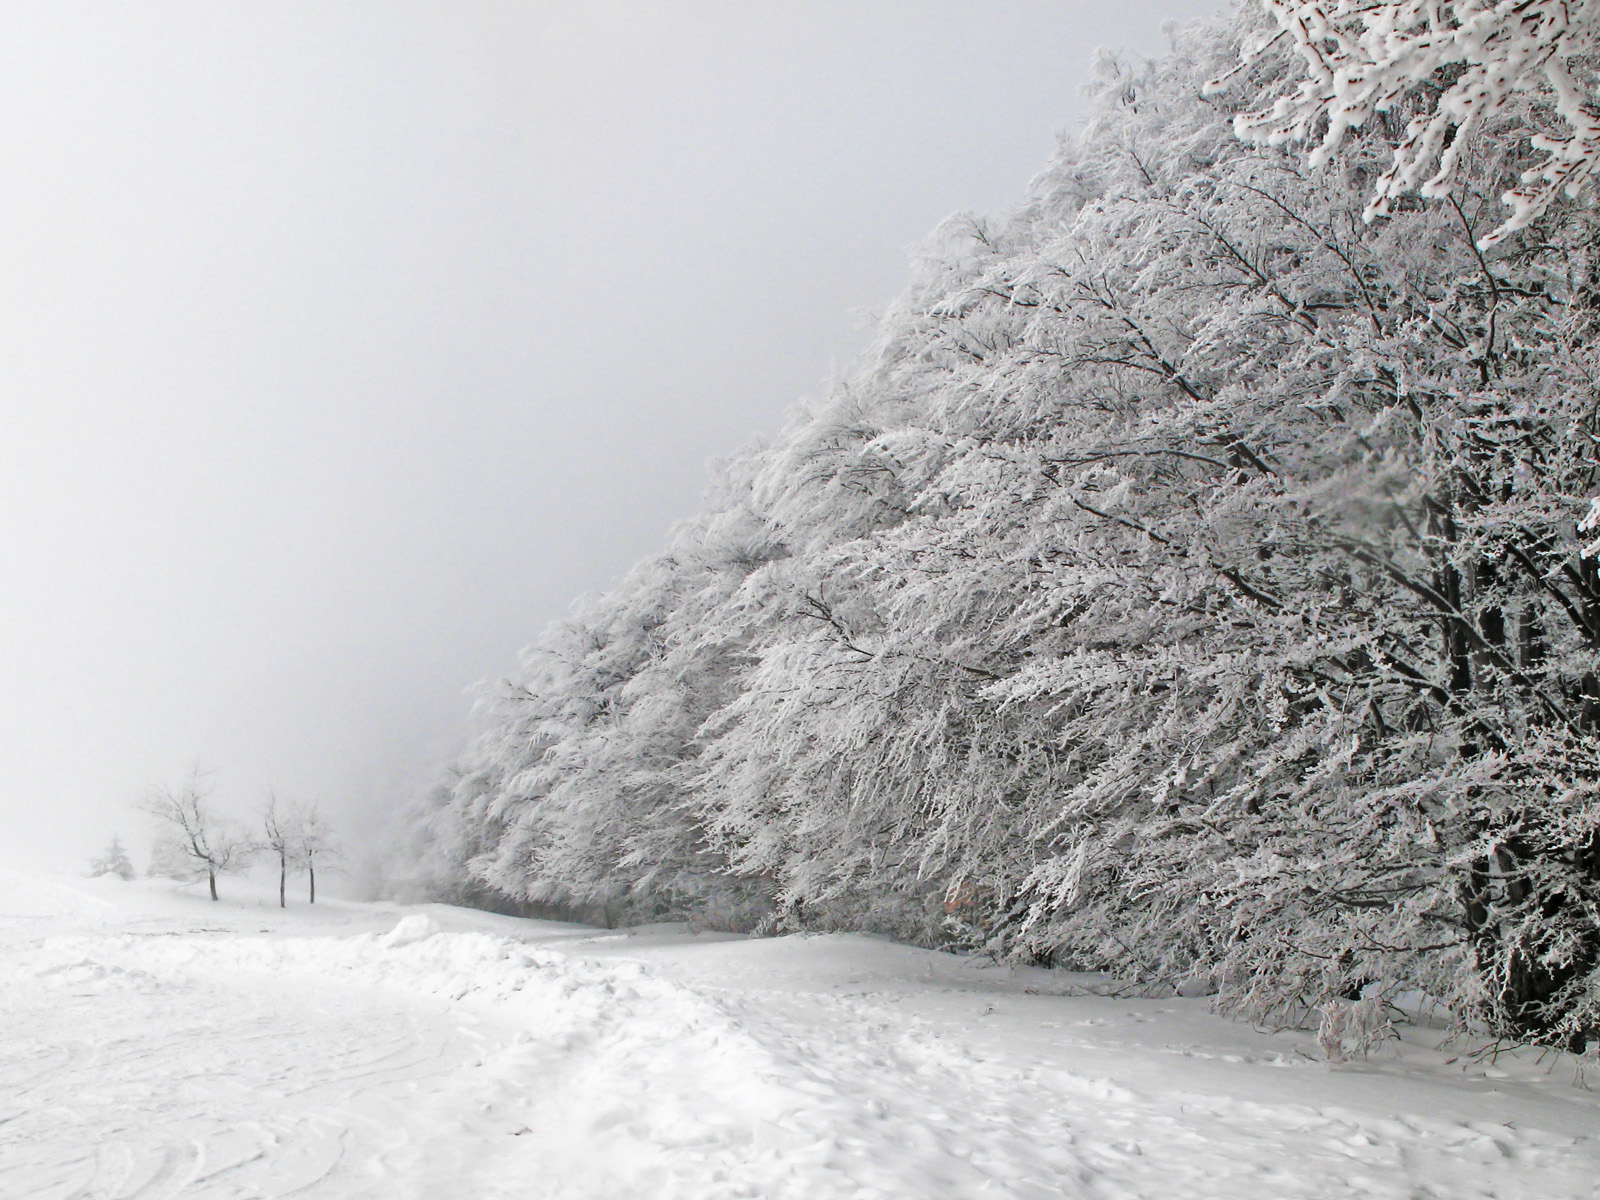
(1191, 584)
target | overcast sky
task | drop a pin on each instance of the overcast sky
(343, 345)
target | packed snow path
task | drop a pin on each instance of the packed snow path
(154, 1044)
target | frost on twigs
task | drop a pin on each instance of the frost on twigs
(1463, 61)
(1589, 524)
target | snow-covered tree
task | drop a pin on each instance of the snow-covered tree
(1451, 67)
(192, 833)
(578, 795)
(310, 841)
(168, 859)
(280, 837)
(1188, 584)
(114, 861)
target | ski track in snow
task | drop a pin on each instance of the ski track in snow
(159, 1047)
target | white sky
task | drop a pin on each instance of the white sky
(343, 345)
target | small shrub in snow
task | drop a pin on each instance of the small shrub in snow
(114, 861)
(1356, 1027)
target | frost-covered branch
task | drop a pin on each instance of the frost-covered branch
(1462, 61)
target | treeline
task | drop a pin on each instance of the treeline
(1190, 584)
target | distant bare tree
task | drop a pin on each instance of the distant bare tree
(205, 840)
(168, 860)
(316, 844)
(280, 837)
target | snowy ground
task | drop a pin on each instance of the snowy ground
(154, 1044)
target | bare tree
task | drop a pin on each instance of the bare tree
(205, 840)
(280, 836)
(315, 843)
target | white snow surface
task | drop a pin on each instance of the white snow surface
(155, 1044)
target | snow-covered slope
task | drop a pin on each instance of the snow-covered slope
(155, 1044)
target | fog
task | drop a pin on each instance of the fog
(345, 344)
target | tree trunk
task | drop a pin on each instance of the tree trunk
(211, 878)
(311, 872)
(283, 880)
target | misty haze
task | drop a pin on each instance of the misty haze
(809, 599)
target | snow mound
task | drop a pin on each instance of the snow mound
(409, 930)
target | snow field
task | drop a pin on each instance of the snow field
(910, 1107)
(154, 1045)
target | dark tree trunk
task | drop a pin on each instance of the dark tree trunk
(311, 872)
(211, 878)
(283, 880)
(1530, 640)
(1456, 649)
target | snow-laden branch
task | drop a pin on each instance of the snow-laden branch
(1364, 57)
